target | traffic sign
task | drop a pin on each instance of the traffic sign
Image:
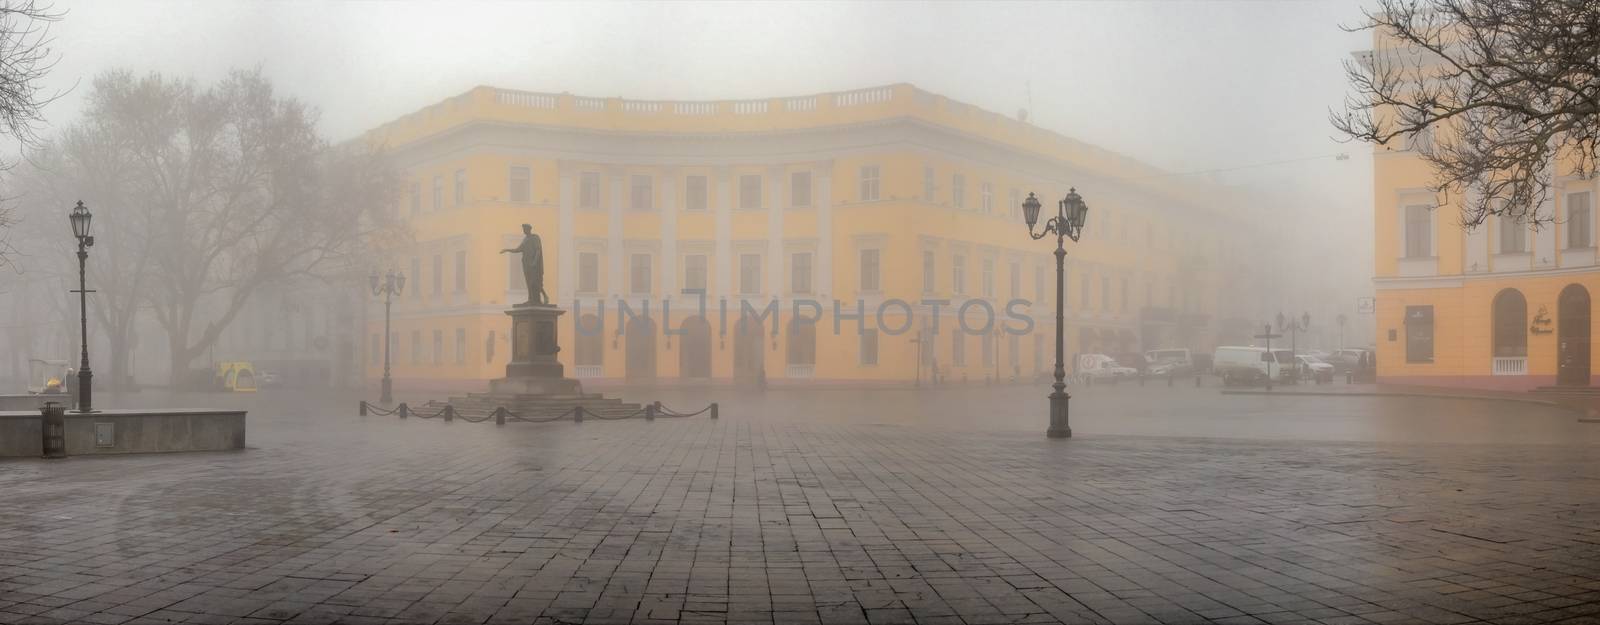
(1366, 305)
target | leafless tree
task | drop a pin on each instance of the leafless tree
(1496, 95)
(25, 58)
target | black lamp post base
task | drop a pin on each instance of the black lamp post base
(1058, 416)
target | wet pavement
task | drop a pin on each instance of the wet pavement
(1172, 505)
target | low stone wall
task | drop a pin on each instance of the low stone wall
(126, 432)
(29, 401)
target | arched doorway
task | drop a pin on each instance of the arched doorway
(749, 351)
(641, 356)
(1572, 336)
(1509, 318)
(694, 348)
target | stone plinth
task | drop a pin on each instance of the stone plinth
(533, 369)
(125, 431)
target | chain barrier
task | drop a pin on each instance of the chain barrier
(501, 414)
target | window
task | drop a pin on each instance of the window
(1580, 221)
(986, 346)
(416, 347)
(929, 280)
(869, 271)
(988, 277)
(694, 193)
(1124, 295)
(461, 272)
(416, 198)
(438, 347)
(639, 274)
(521, 184)
(438, 193)
(1419, 232)
(461, 346)
(1016, 280)
(694, 272)
(802, 341)
(869, 347)
(800, 272)
(416, 277)
(987, 195)
(1013, 359)
(514, 279)
(1513, 236)
(1510, 324)
(958, 274)
(800, 188)
(750, 191)
(1038, 284)
(958, 347)
(1105, 293)
(589, 189)
(1016, 202)
(438, 275)
(1419, 334)
(927, 183)
(958, 191)
(590, 348)
(1083, 292)
(749, 274)
(461, 187)
(869, 183)
(641, 192)
(588, 272)
(375, 350)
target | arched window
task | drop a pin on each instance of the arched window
(1510, 324)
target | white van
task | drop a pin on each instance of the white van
(1247, 365)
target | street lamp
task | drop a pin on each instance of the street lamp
(1067, 223)
(80, 219)
(1294, 326)
(392, 284)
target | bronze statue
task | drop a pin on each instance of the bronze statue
(532, 252)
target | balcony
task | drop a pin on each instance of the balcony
(1510, 365)
(801, 372)
(587, 371)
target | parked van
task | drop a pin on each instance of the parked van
(1099, 366)
(1169, 361)
(1251, 365)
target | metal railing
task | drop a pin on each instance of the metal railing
(1509, 365)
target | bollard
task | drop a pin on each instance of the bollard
(650, 412)
(1170, 377)
(363, 407)
(1141, 380)
(54, 421)
(713, 410)
(449, 413)
(577, 414)
(500, 415)
(1348, 376)
(404, 410)
(1197, 381)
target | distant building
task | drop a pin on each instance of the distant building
(868, 196)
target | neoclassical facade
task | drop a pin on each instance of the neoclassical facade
(851, 224)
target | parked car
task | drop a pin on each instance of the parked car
(1313, 368)
(1252, 365)
(1170, 361)
(1133, 361)
(1344, 360)
(1099, 366)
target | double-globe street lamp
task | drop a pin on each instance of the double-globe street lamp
(1067, 223)
(391, 285)
(80, 218)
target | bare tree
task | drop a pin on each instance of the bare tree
(25, 59)
(1495, 95)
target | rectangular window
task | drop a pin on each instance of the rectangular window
(958, 191)
(461, 272)
(927, 183)
(438, 275)
(986, 193)
(1580, 221)
(750, 191)
(1513, 235)
(461, 346)
(929, 279)
(1016, 280)
(800, 188)
(416, 347)
(1105, 293)
(1015, 206)
(694, 272)
(800, 272)
(642, 192)
(988, 277)
(1419, 232)
(694, 193)
(1419, 334)
(869, 347)
(639, 274)
(521, 184)
(749, 274)
(438, 347)
(588, 272)
(958, 347)
(1013, 359)
(986, 346)
(958, 274)
(438, 193)
(461, 187)
(416, 198)
(589, 189)
(869, 271)
(416, 278)
(514, 280)
(869, 183)
(1083, 292)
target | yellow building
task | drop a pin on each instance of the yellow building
(1505, 305)
(885, 201)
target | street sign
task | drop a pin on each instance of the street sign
(1366, 305)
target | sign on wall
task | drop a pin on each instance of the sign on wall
(1366, 305)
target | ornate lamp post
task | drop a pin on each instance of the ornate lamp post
(80, 219)
(391, 285)
(1067, 223)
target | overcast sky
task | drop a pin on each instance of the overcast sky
(1190, 87)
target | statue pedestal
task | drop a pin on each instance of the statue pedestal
(533, 369)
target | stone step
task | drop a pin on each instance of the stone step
(1583, 391)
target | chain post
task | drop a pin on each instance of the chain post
(577, 414)
(405, 411)
(713, 411)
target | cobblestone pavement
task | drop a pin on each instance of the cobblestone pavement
(756, 520)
